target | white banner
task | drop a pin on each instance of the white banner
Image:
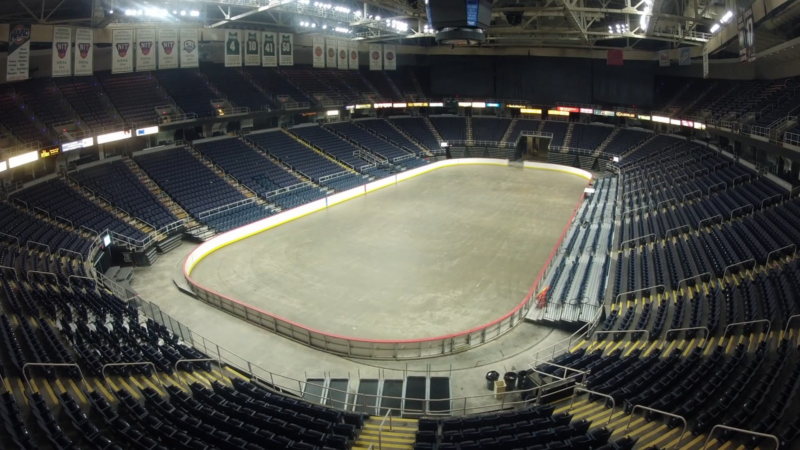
(342, 46)
(252, 51)
(663, 58)
(375, 57)
(287, 49)
(318, 52)
(188, 49)
(168, 48)
(233, 48)
(19, 51)
(389, 57)
(145, 49)
(121, 51)
(84, 54)
(353, 59)
(705, 61)
(684, 56)
(62, 51)
(330, 53)
(269, 57)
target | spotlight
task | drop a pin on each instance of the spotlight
(714, 28)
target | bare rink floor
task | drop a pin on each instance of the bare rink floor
(437, 254)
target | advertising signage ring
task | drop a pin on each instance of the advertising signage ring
(76, 145)
(587, 111)
(625, 114)
(24, 158)
(147, 130)
(530, 111)
(600, 112)
(112, 137)
(554, 112)
(568, 109)
(48, 152)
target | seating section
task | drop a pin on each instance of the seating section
(625, 140)
(116, 183)
(520, 125)
(451, 128)
(589, 136)
(382, 83)
(236, 87)
(418, 129)
(403, 79)
(45, 100)
(489, 129)
(134, 95)
(63, 201)
(20, 122)
(339, 149)
(274, 82)
(385, 129)
(377, 145)
(27, 227)
(307, 81)
(82, 93)
(559, 130)
(189, 89)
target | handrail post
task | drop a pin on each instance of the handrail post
(725, 273)
(685, 425)
(616, 300)
(749, 322)
(583, 389)
(646, 333)
(706, 337)
(178, 374)
(144, 363)
(28, 276)
(789, 322)
(380, 428)
(739, 430)
(780, 249)
(80, 372)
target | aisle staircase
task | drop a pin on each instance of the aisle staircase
(509, 130)
(417, 86)
(117, 212)
(700, 97)
(394, 87)
(313, 149)
(400, 435)
(433, 129)
(568, 137)
(605, 143)
(247, 192)
(470, 139)
(411, 138)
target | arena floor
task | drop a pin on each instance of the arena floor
(437, 254)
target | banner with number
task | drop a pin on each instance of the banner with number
(121, 51)
(684, 56)
(663, 58)
(62, 51)
(353, 59)
(342, 45)
(318, 52)
(269, 55)
(233, 48)
(252, 52)
(84, 54)
(747, 36)
(375, 57)
(19, 51)
(389, 57)
(168, 48)
(286, 49)
(330, 53)
(189, 51)
(705, 61)
(145, 49)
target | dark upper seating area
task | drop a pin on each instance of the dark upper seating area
(59, 199)
(305, 79)
(20, 122)
(450, 128)
(189, 90)
(418, 129)
(331, 144)
(83, 94)
(236, 87)
(134, 95)
(381, 82)
(384, 128)
(489, 129)
(115, 182)
(521, 125)
(369, 140)
(625, 140)
(45, 99)
(402, 78)
(273, 81)
(559, 130)
(589, 136)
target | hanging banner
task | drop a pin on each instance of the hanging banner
(269, 57)
(684, 57)
(145, 49)
(62, 51)
(19, 51)
(168, 51)
(318, 52)
(663, 58)
(389, 57)
(121, 51)
(189, 54)
(705, 61)
(615, 58)
(287, 50)
(233, 48)
(342, 45)
(747, 36)
(252, 54)
(375, 57)
(84, 40)
(353, 60)
(330, 53)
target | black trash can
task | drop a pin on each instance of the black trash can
(511, 380)
(491, 377)
(523, 382)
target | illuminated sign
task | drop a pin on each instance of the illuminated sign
(111, 137)
(674, 122)
(643, 117)
(3, 166)
(587, 111)
(75, 145)
(553, 112)
(418, 105)
(382, 105)
(309, 114)
(515, 106)
(615, 158)
(465, 104)
(399, 105)
(363, 106)
(444, 144)
(24, 158)
(624, 114)
(333, 112)
(700, 126)
(493, 105)
(47, 152)
(687, 123)
(600, 112)
(479, 104)
(147, 130)
(568, 109)
(660, 119)
(439, 104)
(350, 107)
(530, 111)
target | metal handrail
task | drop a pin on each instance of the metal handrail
(11, 269)
(63, 250)
(690, 193)
(616, 300)
(28, 275)
(28, 246)
(80, 372)
(709, 218)
(685, 425)
(646, 333)
(680, 227)
(789, 322)
(69, 279)
(692, 278)
(739, 430)
(715, 185)
(143, 363)
(380, 428)
(178, 374)
(708, 332)
(622, 245)
(582, 389)
(725, 273)
(749, 322)
(11, 236)
(780, 249)
(770, 198)
(742, 207)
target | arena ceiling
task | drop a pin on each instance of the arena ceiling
(645, 25)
